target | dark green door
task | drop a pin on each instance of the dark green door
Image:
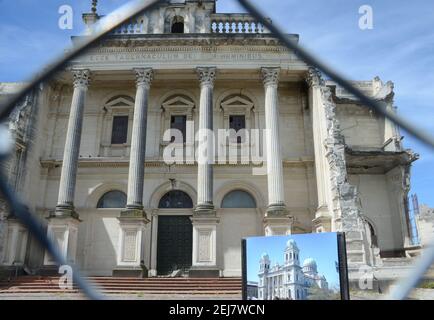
(175, 244)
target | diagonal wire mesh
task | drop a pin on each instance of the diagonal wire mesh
(134, 9)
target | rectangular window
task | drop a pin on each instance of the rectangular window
(120, 129)
(237, 123)
(180, 123)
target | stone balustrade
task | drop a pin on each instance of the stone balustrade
(236, 23)
(220, 23)
(135, 26)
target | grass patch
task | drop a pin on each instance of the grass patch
(427, 285)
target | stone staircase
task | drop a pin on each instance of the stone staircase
(112, 285)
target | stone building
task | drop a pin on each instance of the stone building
(289, 280)
(95, 173)
(425, 225)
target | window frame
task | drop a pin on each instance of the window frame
(123, 105)
(242, 208)
(123, 133)
(175, 208)
(235, 105)
(183, 130)
(177, 105)
(105, 194)
(177, 20)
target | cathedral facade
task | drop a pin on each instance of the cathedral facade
(289, 280)
(93, 157)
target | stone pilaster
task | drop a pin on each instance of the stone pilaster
(15, 242)
(204, 220)
(277, 219)
(133, 220)
(63, 231)
(323, 214)
(68, 177)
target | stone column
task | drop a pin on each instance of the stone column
(206, 141)
(63, 222)
(68, 177)
(133, 220)
(323, 214)
(204, 219)
(277, 220)
(138, 141)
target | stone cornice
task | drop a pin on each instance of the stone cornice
(377, 161)
(202, 40)
(124, 163)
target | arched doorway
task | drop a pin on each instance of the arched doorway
(175, 233)
(177, 25)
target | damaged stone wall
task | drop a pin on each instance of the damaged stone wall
(346, 210)
(22, 127)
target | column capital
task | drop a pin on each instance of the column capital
(80, 77)
(206, 75)
(314, 78)
(270, 76)
(144, 76)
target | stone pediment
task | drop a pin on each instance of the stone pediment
(120, 101)
(237, 101)
(178, 101)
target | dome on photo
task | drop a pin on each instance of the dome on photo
(265, 256)
(309, 262)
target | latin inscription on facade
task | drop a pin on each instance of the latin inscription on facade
(180, 56)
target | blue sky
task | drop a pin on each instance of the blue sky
(399, 48)
(325, 255)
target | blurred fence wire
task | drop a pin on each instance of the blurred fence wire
(116, 19)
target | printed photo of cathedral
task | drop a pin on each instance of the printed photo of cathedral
(303, 272)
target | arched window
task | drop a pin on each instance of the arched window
(238, 199)
(113, 199)
(175, 199)
(178, 24)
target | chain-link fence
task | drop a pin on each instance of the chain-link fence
(122, 16)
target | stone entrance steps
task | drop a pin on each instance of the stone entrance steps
(111, 285)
